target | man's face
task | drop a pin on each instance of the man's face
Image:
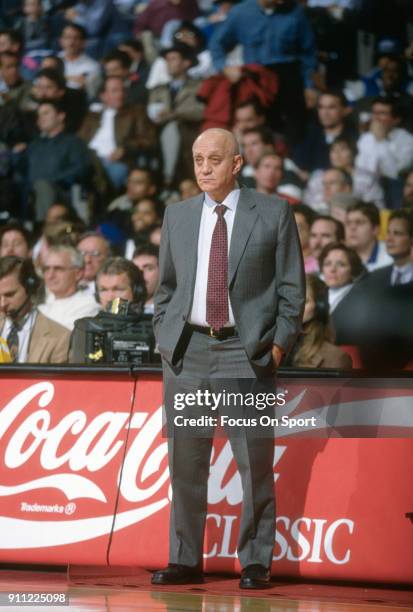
(176, 64)
(95, 252)
(381, 113)
(60, 276)
(112, 286)
(139, 185)
(408, 190)
(333, 183)
(32, 8)
(116, 69)
(71, 42)
(10, 71)
(5, 43)
(252, 147)
(144, 215)
(269, 173)
(391, 75)
(45, 89)
(246, 118)
(12, 295)
(341, 155)
(360, 232)
(398, 241)
(322, 232)
(331, 112)
(148, 265)
(14, 243)
(215, 164)
(48, 119)
(113, 95)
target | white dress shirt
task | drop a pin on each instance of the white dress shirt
(336, 294)
(406, 274)
(66, 310)
(206, 229)
(23, 334)
(386, 157)
(103, 142)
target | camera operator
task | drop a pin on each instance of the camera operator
(118, 279)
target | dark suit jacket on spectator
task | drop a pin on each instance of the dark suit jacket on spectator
(313, 152)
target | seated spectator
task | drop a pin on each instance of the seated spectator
(408, 191)
(13, 88)
(57, 230)
(56, 160)
(362, 230)
(304, 217)
(269, 173)
(399, 245)
(342, 269)
(117, 133)
(175, 108)
(139, 67)
(254, 143)
(365, 184)
(15, 240)
(34, 26)
(146, 258)
(63, 270)
(386, 149)
(118, 278)
(335, 181)
(118, 64)
(146, 214)
(81, 71)
(315, 346)
(31, 336)
(333, 111)
(248, 115)
(95, 250)
(11, 40)
(49, 84)
(188, 188)
(323, 231)
(140, 185)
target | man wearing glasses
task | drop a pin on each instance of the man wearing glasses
(65, 302)
(95, 250)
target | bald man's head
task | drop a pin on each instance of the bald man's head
(216, 162)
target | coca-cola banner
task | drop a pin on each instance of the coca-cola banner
(84, 477)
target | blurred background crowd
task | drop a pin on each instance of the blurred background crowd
(100, 101)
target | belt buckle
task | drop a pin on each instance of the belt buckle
(214, 333)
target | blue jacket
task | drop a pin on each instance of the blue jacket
(267, 38)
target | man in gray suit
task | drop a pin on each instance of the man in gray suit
(229, 305)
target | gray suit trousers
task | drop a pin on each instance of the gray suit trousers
(206, 359)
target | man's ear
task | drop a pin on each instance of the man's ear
(238, 161)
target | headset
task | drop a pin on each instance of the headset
(28, 279)
(135, 278)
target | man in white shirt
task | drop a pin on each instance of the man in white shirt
(362, 230)
(81, 71)
(63, 269)
(386, 149)
(31, 337)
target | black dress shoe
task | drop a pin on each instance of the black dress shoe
(255, 577)
(178, 574)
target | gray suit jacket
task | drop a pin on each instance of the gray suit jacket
(265, 274)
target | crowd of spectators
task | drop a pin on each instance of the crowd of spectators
(100, 101)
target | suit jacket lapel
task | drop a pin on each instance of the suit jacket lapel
(245, 218)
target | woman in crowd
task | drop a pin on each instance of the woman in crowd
(342, 269)
(315, 348)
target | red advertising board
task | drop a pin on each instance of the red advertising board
(84, 478)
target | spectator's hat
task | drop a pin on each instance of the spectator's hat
(185, 50)
(388, 46)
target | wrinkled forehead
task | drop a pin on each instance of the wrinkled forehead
(211, 145)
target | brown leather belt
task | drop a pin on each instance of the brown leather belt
(218, 334)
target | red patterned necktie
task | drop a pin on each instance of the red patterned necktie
(217, 290)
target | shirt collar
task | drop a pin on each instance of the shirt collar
(231, 201)
(404, 269)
